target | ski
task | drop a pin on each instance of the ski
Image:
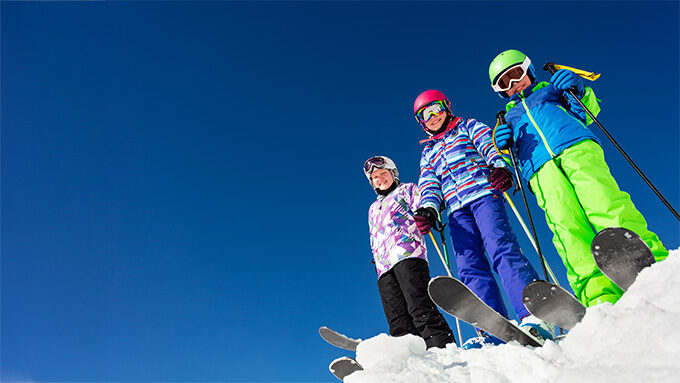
(621, 255)
(452, 296)
(553, 304)
(339, 340)
(344, 366)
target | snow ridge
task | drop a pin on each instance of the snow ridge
(635, 340)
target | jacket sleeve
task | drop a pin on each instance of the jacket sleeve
(429, 185)
(370, 226)
(482, 139)
(591, 102)
(588, 99)
(414, 197)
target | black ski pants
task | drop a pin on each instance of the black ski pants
(408, 307)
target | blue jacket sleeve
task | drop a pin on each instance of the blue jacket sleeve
(429, 185)
(588, 99)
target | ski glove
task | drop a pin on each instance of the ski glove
(577, 109)
(426, 218)
(500, 179)
(502, 136)
(565, 79)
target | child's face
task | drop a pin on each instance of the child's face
(382, 179)
(435, 122)
(519, 85)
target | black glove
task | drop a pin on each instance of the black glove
(426, 218)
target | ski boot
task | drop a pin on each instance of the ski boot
(537, 328)
(484, 339)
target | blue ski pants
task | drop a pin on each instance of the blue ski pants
(483, 225)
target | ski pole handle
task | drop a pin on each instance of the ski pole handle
(500, 120)
(550, 67)
(500, 116)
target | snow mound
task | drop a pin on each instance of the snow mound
(635, 340)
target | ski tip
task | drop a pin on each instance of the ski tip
(344, 366)
(442, 279)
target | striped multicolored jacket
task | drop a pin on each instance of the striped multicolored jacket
(454, 165)
(394, 235)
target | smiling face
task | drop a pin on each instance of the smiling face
(519, 85)
(435, 122)
(382, 179)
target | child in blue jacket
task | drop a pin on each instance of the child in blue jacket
(563, 162)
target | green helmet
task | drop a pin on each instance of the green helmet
(505, 60)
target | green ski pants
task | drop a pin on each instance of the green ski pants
(580, 197)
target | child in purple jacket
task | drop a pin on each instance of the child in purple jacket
(401, 258)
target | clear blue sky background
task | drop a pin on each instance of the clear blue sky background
(182, 194)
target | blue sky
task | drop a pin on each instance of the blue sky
(182, 194)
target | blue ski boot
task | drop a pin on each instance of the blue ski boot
(484, 339)
(537, 328)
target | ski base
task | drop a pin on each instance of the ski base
(621, 255)
(553, 304)
(339, 340)
(344, 366)
(452, 296)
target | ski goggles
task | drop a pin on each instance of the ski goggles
(374, 162)
(432, 109)
(515, 73)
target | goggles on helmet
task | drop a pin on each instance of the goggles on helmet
(432, 109)
(373, 162)
(511, 75)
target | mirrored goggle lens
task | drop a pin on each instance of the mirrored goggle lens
(512, 75)
(434, 109)
(373, 162)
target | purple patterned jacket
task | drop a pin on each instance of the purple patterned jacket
(394, 235)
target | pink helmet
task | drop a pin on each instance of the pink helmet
(428, 97)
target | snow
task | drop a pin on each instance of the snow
(635, 340)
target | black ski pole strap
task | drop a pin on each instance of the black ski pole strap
(438, 226)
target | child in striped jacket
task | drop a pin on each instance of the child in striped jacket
(461, 168)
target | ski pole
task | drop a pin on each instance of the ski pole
(441, 234)
(550, 67)
(500, 116)
(526, 231)
(448, 270)
(436, 246)
(448, 263)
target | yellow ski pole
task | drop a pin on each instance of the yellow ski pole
(441, 256)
